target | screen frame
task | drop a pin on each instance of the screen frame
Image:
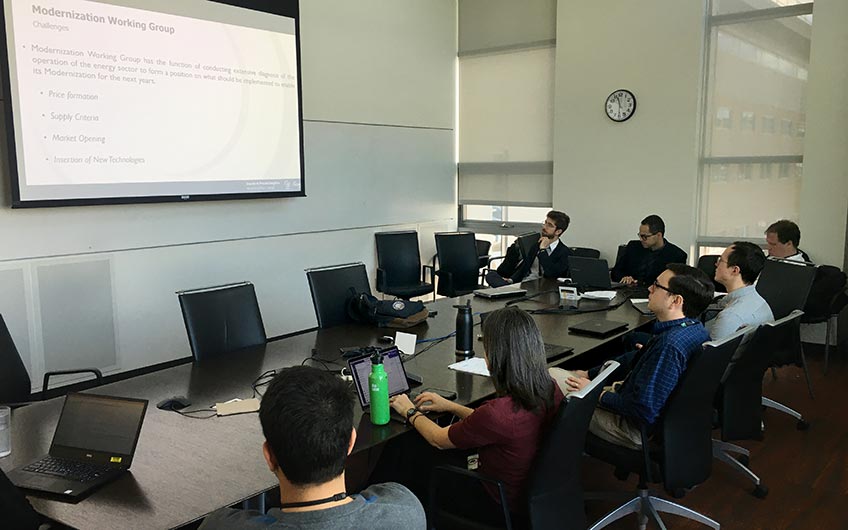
(285, 8)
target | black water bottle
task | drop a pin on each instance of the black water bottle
(464, 330)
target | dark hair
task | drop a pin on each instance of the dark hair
(786, 231)
(517, 359)
(693, 285)
(307, 419)
(560, 219)
(655, 223)
(749, 258)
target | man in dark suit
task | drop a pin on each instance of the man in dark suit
(646, 258)
(548, 257)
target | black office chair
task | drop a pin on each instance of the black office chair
(787, 350)
(15, 383)
(399, 270)
(456, 253)
(17, 512)
(708, 263)
(221, 319)
(554, 486)
(332, 287)
(483, 248)
(585, 252)
(680, 455)
(826, 300)
(785, 285)
(740, 397)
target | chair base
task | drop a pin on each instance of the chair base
(722, 451)
(802, 424)
(647, 506)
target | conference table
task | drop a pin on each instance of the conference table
(186, 467)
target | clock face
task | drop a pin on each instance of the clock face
(620, 105)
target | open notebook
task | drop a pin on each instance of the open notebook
(560, 376)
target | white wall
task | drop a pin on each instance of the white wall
(824, 185)
(608, 176)
(378, 99)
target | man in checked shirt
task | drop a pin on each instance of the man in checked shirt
(678, 296)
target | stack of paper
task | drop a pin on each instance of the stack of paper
(474, 365)
(599, 295)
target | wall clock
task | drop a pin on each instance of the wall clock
(620, 105)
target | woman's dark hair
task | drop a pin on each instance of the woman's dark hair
(517, 361)
(696, 288)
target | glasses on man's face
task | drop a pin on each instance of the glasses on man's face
(657, 285)
(644, 237)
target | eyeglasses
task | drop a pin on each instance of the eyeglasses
(722, 260)
(657, 285)
(644, 237)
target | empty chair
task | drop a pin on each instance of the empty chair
(585, 252)
(221, 319)
(785, 286)
(331, 290)
(15, 383)
(483, 248)
(680, 456)
(826, 300)
(399, 270)
(708, 264)
(785, 349)
(456, 253)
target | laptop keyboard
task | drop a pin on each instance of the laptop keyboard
(69, 469)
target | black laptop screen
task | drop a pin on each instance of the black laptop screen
(99, 423)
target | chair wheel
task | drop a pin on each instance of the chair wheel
(802, 425)
(743, 459)
(760, 491)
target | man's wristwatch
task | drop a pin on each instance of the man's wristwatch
(410, 413)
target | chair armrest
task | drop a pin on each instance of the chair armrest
(98, 376)
(464, 474)
(494, 259)
(424, 269)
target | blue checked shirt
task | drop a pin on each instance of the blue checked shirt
(656, 369)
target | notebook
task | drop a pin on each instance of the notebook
(590, 273)
(506, 291)
(93, 444)
(598, 327)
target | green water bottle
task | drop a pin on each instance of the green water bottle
(378, 388)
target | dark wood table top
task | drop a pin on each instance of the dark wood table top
(185, 468)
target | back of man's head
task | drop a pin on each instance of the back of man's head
(560, 219)
(693, 285)
(654, 223)
(786, 231)
(749, 258)
(307, 419)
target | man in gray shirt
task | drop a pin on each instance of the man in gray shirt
(737, 269)
(307, 419)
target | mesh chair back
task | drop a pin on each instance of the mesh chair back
(585, 252)
(399, 258)
(15, 384)
(483, 248)
(458, 264)
(687, 420)
(785, 286)
(555, 491)
(221, 319)
(330, 288)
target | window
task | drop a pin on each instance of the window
(756, 71)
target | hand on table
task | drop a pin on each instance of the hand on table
(629, 280)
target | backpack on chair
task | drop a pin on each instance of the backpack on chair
(400, 314)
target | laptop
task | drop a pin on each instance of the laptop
(93, 444)
(505, 291)
(642, 307)
(590, 273)
(598, 327)
(552, 351)
(360, 369)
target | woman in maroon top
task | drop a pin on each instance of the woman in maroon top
(505, 430)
